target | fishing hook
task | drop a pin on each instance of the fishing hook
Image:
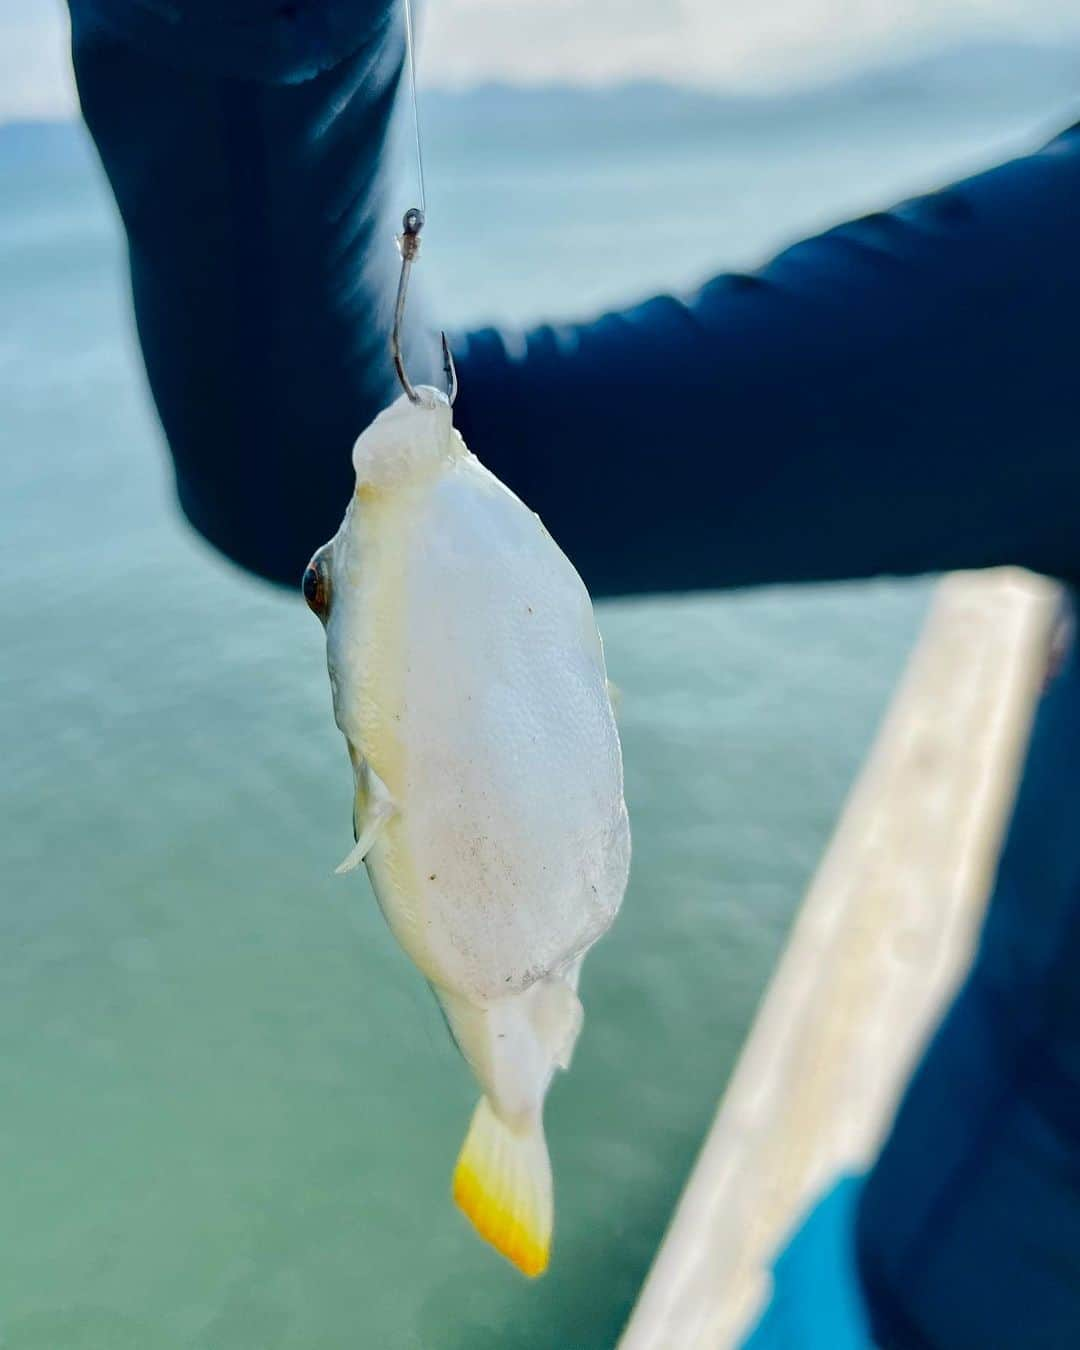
(409, 247)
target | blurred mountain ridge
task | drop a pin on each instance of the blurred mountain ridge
(1005, 73)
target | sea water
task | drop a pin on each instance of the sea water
(228, 1106)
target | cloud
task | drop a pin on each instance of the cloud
(717, 43)
(36, 80)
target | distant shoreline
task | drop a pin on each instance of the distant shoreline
(999, 72)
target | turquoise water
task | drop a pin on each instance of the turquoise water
(229, 1106)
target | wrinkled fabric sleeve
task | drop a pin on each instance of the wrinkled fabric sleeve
(249, 147)
(898, 395)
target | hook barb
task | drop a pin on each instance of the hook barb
(450, 370)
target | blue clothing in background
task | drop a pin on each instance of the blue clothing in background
(816, 1301)
(898, 395)
(969, 1226)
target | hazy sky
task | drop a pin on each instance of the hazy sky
(726, 43)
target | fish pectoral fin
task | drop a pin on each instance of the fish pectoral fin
(502, 1183)
(373, 806)
(364, 844)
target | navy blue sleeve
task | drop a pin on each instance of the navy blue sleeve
(245, 145)
(896, 396)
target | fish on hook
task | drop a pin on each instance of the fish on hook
(468, 679)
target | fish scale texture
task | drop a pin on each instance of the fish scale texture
(470, 676)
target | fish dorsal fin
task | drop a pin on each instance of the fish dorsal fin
(556, 1015)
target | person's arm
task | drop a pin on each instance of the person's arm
(248, 146)
(898, 395)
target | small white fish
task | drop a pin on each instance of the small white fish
(468, 679)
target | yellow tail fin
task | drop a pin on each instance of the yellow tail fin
(502, 1183)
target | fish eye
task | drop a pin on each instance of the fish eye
(316, 587)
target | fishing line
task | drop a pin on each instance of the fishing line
(408, 243)
(410, 49)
